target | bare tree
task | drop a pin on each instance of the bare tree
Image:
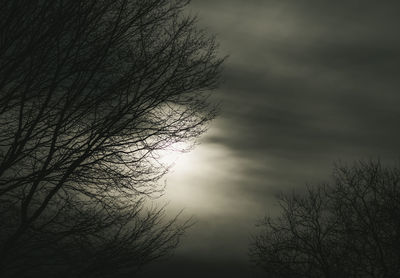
(350, 228)
(90, 91)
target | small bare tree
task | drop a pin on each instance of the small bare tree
(350, 228)
(90, 91)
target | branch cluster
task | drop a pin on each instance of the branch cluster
(350, 228)
(90, 90)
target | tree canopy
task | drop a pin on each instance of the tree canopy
(90, 91)
(348, 228)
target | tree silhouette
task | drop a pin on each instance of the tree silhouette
(350, 228)
(90, 92)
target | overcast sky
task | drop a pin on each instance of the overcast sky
(306, 84)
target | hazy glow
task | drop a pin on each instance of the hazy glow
(202, 180)
(169, 156)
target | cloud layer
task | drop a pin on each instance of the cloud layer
(307, 83)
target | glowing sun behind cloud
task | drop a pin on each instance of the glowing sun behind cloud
(170, 156)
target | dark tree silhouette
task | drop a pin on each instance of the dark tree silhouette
(90, 92)
(350, 228)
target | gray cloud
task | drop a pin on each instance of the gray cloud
(307, 83)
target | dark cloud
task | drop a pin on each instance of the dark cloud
(307, 83)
